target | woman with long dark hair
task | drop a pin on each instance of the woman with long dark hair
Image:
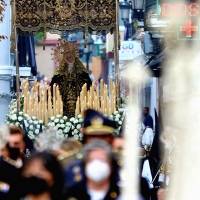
(42, 178)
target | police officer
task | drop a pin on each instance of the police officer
(95, 126)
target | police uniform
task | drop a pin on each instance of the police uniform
(75, 180)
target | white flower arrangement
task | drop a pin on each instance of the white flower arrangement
(63, 126)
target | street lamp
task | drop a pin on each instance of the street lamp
(88, 50)
(138, 8)
(125, 8)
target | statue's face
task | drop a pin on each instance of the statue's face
(70, 58)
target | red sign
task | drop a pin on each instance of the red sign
(169, 10)
(188, 28)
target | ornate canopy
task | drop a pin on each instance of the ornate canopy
(59, 16)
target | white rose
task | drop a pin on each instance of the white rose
(20, 118)
(35, 122)
(66, 135)
(20, 113)
(56, 120)
(31, 137)
(72, 127)
(52, 118)
(36, 131)
(62, 121)
(80, 135)
(31, 127)
(78, 126)
(40, 121)
(105, 115)
(58, 125)
(30, 132)
(28, 118)
(62, 126)
(115, 113)
(17, 123)
(118, 116)
(52, 124)
(59, 116)
(75, 131)
(120, 122)
(60, 131)
(116, 119)
(68, 124)
(14, 117)
(43, 127)
(66, 130)
(34, 117)
(79, 116)
(72, 119)
(65, 117)
(75, 121)
(76, 137)
(30, 121)
(38, 126)
(80, 120)
(25, 115)
(111, 116)
(121, 110)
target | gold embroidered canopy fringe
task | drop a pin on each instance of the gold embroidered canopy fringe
(59, 16)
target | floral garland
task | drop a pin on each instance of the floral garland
(64, 126)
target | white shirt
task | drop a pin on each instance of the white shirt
(97, 195)
(146, 173)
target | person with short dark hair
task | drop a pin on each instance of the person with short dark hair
(11, 162)
(148, 120)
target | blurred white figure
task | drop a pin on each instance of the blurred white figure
(147, 138)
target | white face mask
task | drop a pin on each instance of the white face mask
(97, 171)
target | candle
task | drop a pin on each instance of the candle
(54, 106)
(38, 113)
(97, 91)
(42, 115)
(40, 93)
(101, 87)
(90, 102)
(54, 90)
(85, 103)
(114, 107)
(111, 83)
(40, 110)
(61, 108)
(61, 112)
(46, 117)
(95, 103)
(103, 107)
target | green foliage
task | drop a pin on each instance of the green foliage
(38, 37)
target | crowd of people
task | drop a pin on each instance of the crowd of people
(74, 171)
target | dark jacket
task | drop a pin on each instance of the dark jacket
(148, 121)
(11, 176)
(79, 192)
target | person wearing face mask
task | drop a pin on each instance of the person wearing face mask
(95, 126)
(99, 174)
(42, 178)
(11, 162)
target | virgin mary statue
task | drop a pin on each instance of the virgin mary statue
(70, 75)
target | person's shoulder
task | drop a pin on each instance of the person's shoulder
(74, 173)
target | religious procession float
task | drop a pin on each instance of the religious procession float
(61, 105)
